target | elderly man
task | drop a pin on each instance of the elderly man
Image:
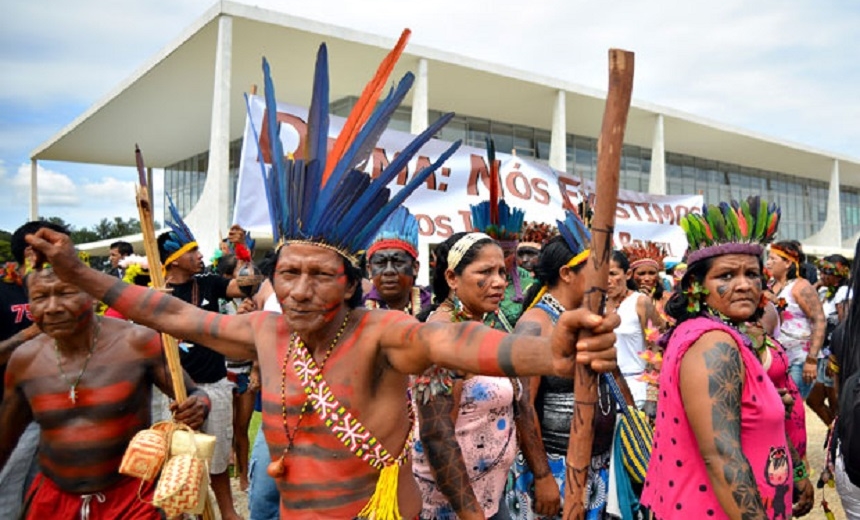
(16, 328)
(87, 382)
(366, 356)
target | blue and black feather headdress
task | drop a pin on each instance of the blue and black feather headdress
(326, 199)
(179, 240)
(400, 231)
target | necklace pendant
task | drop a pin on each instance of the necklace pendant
(73, 395)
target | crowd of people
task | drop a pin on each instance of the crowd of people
(383, 399)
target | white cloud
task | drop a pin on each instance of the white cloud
(781, 68)
(81, 203)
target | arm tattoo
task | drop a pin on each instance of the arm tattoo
(444, 455)
(811, 306)
(725, 385)
(506, 356)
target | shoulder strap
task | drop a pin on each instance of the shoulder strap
(339, 419)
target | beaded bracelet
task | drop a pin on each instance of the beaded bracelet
(800, 472)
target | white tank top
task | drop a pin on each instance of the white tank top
(272, 304)
(629, 343)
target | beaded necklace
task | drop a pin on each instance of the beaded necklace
(277, 468)
(741, 329)
(413, 306)
(73, 392)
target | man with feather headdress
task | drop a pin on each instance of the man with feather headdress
(335, 375)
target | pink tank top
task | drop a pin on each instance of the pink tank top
(677, 485)
(795, 424)
(487, 436)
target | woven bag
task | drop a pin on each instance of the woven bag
(636, 440)
(182, 486)
(145, 454)
(636, 435)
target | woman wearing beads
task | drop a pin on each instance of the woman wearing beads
(636, 310)
(536, 491)
(720, 448)
(802, 327)
(466, 423)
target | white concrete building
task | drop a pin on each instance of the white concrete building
(185, 109)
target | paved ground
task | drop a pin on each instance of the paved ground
(816, 433)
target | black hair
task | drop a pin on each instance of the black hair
(792, 246)
(226, 265)
(18, 244)
(123, 247)
(554, 255)
(267, 264)
(839, 259)
(440, 284)
(163, 254)
(677, 306)
(621, 259)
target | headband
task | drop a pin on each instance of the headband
(461, 246)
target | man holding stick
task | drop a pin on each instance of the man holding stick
(334, 375)
(87, 381)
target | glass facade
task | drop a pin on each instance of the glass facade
(803, 201)
(184, 180)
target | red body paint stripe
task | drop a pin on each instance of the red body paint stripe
(488, 354)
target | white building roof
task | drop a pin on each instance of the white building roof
(165, 106)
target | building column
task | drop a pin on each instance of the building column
(210, 217)
(34, 190)
(558, 140)
(830, 234)
(657, 177)
(420, 107)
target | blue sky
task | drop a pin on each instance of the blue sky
(784, 69)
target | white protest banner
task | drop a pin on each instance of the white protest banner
(442, 205)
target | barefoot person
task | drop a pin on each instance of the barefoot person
(87, 381)
(334, 375)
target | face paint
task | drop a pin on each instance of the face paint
(391, 261)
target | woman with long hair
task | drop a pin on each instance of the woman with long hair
(802, 322)
(536, 492)
(636, 311)
(467, 424)
(720, 448)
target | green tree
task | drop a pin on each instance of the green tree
(6, 251)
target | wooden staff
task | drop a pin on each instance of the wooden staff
(596, 272)
(150, 244)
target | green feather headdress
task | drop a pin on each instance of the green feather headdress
(730, 228)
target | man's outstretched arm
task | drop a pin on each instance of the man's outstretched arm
(412, 347)
(230, 335)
